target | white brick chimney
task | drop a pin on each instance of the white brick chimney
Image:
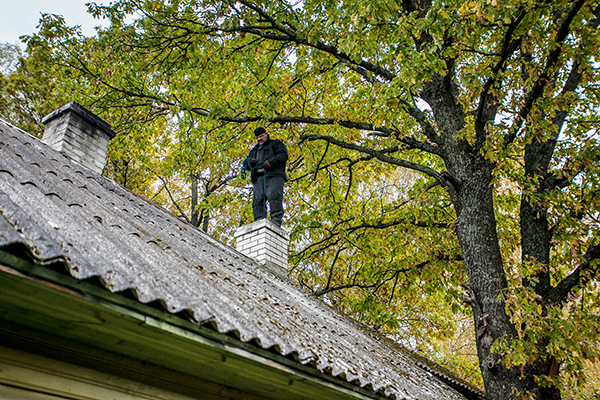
(78, 134)
(266, 243)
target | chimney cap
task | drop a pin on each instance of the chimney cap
(83, 113)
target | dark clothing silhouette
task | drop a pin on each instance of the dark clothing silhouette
(268, 176)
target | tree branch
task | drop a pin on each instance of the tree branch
(341, 287)
(509, 45)
(173, 200)
(333, 233)
(419, 116)
(376, 285)
(389, 224)
(578, 277)
(540, 84)
(288, 34)
(380, 155)
(337, 254)
(538, 154)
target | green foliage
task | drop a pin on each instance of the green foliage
(28, 90)
(9, 57)
(375, 100)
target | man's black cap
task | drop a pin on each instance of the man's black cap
(259, 131)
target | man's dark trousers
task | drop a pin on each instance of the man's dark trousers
(270, 191)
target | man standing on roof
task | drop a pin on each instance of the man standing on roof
(266, 162)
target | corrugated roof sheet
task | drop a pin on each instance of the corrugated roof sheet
(62, 212)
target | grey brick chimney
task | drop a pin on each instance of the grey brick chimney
(78, 134)
(266, 243)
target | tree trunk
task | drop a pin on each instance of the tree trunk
(205, 219)
(195, 215)
(477, 235)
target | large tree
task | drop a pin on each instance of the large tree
(26, 91)
(493, 106)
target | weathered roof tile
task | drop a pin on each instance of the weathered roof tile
(60, 212)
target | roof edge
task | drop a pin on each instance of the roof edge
(176, 325)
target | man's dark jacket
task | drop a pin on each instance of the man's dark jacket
(276, 154)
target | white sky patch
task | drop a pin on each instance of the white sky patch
(21, 17)
(422, 105)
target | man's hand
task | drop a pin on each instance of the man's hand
(253, 162)
(267, 164)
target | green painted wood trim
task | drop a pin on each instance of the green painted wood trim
(20, 338)
(42, 375)
(155, 331)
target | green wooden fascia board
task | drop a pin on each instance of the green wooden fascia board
(190, 332)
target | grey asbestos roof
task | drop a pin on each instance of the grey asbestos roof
(61, 212)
